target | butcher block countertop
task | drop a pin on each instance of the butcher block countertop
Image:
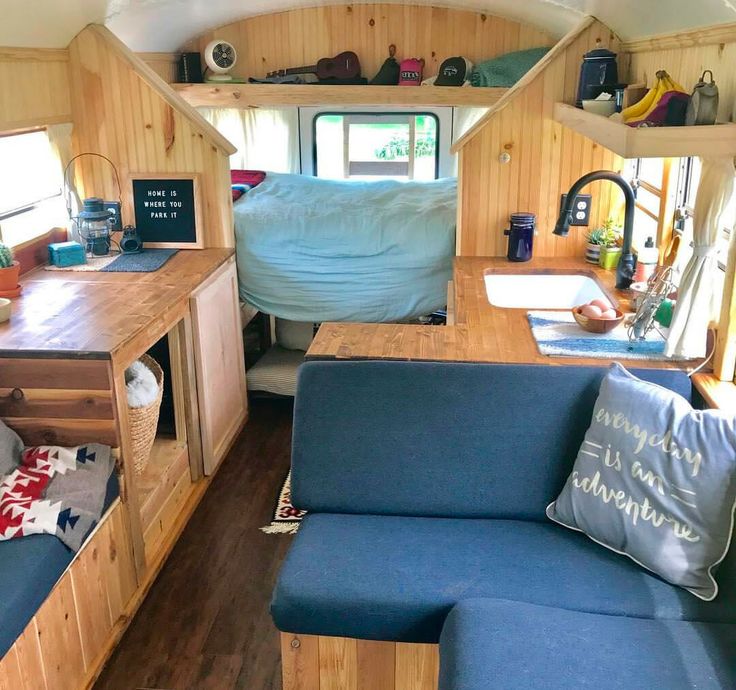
(481, 333)
(97, 315)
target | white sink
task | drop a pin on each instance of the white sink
(541, 291)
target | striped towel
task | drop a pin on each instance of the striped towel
(558, 335)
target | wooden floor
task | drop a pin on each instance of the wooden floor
(205, 623)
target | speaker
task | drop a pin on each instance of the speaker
(131, 242)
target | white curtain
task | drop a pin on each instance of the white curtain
(695, 302)
(266, 138)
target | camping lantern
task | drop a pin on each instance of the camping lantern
(94, 225)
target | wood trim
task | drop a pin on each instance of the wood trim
(19, 126)
(253, 95)
(559, 49)
(310, 662)
(718, 394)
(724, 362)
(34, 54)
(704, 36)
(34, 253)
(162, 89)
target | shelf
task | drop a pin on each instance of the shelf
(247, 95)
(167, 465)
(649, 142)
(716, 393)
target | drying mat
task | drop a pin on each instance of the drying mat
(558, 335)
(147, 261)
(286, 517)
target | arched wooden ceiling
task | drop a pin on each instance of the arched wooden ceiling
(165, 25)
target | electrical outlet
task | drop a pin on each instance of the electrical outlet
(581, 209)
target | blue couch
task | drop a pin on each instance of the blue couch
(426, 486)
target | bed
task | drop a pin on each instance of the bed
(318, 250)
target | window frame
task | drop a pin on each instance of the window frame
(355, 116)
(444, 114)
(38, 206)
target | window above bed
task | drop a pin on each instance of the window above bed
(368, 146)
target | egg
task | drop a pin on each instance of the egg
(602, 304)
(591, 311)
(609, 314)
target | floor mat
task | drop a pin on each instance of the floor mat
(286, 517)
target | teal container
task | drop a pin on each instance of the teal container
(64, 254)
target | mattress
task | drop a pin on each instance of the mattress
(323, 250)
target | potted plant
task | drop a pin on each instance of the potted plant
(9, 269)
(611, 249)
(597, 239)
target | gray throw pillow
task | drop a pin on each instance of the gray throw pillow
(11, 450)
(655, 480)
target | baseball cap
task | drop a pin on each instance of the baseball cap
(454, 71)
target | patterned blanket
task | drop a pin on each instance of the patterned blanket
(54, 490)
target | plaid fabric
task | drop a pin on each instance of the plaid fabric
(243, 181)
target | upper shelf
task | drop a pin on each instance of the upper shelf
(649, 142)
(246, 95)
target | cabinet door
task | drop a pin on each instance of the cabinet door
(219, 363)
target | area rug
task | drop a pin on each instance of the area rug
(286, 517)
(147, 261)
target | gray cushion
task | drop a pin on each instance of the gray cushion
(11, 449)
(655, 480)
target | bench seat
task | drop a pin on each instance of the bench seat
(396, 578)
(515, 646)
(29, 569)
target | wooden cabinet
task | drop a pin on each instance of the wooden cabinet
(219, 363)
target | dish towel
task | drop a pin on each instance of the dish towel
(558, 335)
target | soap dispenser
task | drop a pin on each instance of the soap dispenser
(647, 261)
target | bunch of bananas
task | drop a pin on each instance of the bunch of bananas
(664, 103)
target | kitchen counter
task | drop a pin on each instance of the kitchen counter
(481, 332)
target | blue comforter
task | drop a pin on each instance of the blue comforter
(323, 250)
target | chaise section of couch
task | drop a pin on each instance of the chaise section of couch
(426, 486)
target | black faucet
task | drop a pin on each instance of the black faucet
(627, 262)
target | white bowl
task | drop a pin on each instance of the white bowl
(604, 108)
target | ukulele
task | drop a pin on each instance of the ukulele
(343, 66)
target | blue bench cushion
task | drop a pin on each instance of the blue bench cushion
(442, 439)
(29, 569)
(517, 646)
(396, 578)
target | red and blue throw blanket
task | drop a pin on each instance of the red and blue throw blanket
(54, 490)
(243, 181)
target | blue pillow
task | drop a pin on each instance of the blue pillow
(655, 480)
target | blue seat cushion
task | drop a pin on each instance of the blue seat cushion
(29, 569)
(396, 578)
(517, 646)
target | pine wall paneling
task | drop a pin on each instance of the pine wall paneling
(685, 56)
(163, 64)
(302, 36)
(546, 158)
(34, 88)
(124, 110)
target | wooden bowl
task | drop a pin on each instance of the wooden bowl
(597, 325)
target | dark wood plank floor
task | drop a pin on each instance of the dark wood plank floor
(205, 623)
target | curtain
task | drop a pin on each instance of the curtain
(60, 141)
(266, 138)
(695, 302)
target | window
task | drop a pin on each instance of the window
(30, 187)
(400, 146)
(649, 178)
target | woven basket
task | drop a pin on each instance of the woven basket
(142, 421)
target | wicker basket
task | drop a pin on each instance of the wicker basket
(142, 421)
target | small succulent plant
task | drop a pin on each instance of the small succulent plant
(606, 236)
(6, 256)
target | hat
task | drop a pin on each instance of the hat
(410, 72)
(454, 71)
